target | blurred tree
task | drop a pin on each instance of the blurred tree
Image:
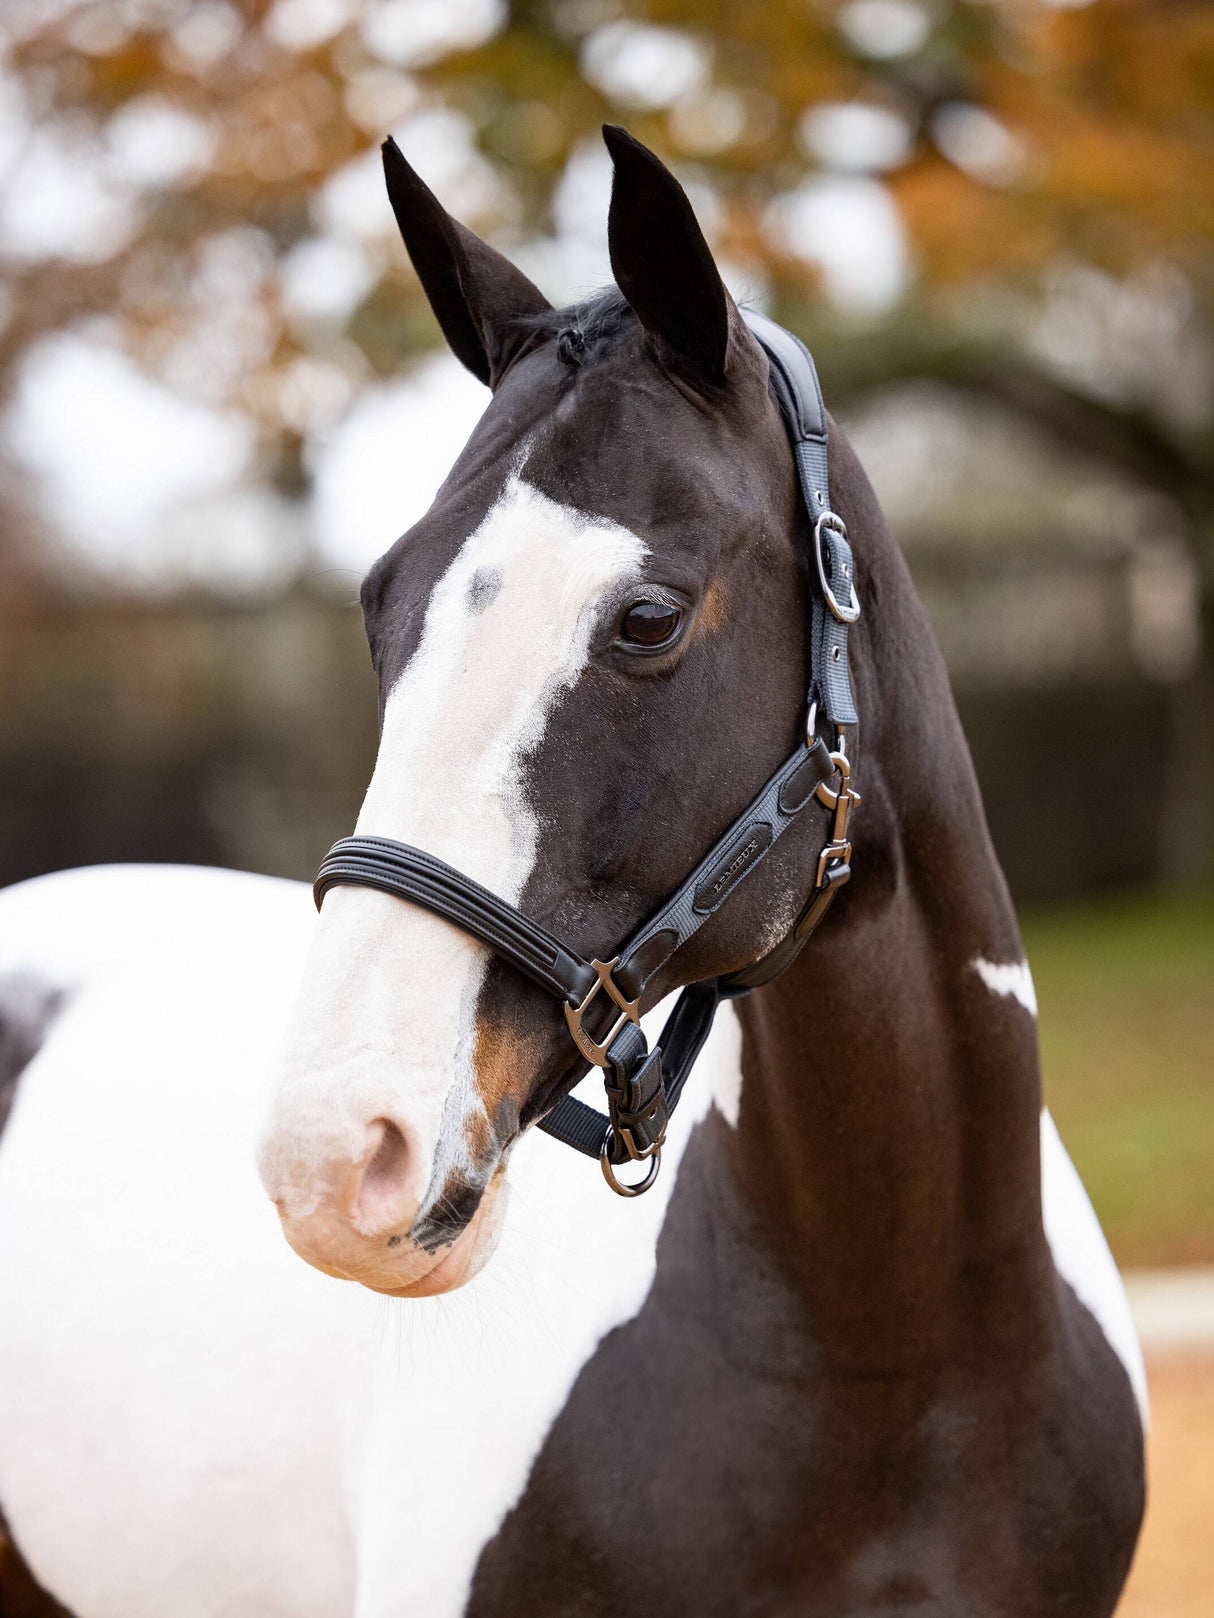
(1017, 195)
(1041, 156)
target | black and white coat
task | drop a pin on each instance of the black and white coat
(880, 1360)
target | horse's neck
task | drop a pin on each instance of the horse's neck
(888, 1128)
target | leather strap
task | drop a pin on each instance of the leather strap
(643, 1087)
(730, 860)
(634, 1079)
(410, 873)
(833, 604)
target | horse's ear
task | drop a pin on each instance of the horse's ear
(478, 297)
(660, 259)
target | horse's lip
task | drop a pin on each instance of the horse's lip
(435, 1279)
(449, 1269)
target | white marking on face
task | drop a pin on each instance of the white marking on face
(1011, 978)
(385, 1022)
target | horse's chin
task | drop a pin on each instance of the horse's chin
(456, 1265)
(409, 1271)
(467, 1255)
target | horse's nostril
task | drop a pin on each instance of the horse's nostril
(384, 1196)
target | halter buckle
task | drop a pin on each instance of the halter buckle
(594, 1050)
(848, 614)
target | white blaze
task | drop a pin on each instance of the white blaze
(384, 1025)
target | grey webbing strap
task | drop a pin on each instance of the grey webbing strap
(410, 873)
(576, 1124)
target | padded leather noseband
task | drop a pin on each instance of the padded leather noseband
(643, 1086)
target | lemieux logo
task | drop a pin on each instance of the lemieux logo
(736, 864)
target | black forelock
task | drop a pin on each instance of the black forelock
(588, 330)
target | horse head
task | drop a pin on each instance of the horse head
(591, 652)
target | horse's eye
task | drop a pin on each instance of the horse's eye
(651, 623)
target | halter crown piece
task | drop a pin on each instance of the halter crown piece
(643, 1086)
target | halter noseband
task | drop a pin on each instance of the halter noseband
(643, 1086)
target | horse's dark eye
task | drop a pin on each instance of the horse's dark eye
(651, 623)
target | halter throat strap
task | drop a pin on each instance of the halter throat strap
(601, 999)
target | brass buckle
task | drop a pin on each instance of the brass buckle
(824, 794)
(838, 849)
(628, 1009)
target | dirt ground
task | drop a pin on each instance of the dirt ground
(1173, 1575)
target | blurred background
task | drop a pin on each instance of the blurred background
(222, 395)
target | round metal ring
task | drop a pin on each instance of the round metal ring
(620, 1187)
(811, 724)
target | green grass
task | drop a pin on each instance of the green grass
(1126, 990)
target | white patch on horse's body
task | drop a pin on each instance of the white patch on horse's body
(727, 1067)
(158, 1361)
(240, 1433)
(1082, 1257)
(1081, 1253)
(385, 1020)
(1008, 978)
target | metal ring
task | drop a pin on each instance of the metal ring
(620, 1187)
(848, 614)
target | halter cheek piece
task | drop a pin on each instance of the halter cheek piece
(643, 1086)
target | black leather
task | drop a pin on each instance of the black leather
(730, 860)
(410, 873)
(799, 785)
(637, 1103)
(642, 1086)
(793, 378)
(671, 1061)
(745, 850)
(634, 1075)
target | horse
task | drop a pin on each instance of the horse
(861, 1350)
